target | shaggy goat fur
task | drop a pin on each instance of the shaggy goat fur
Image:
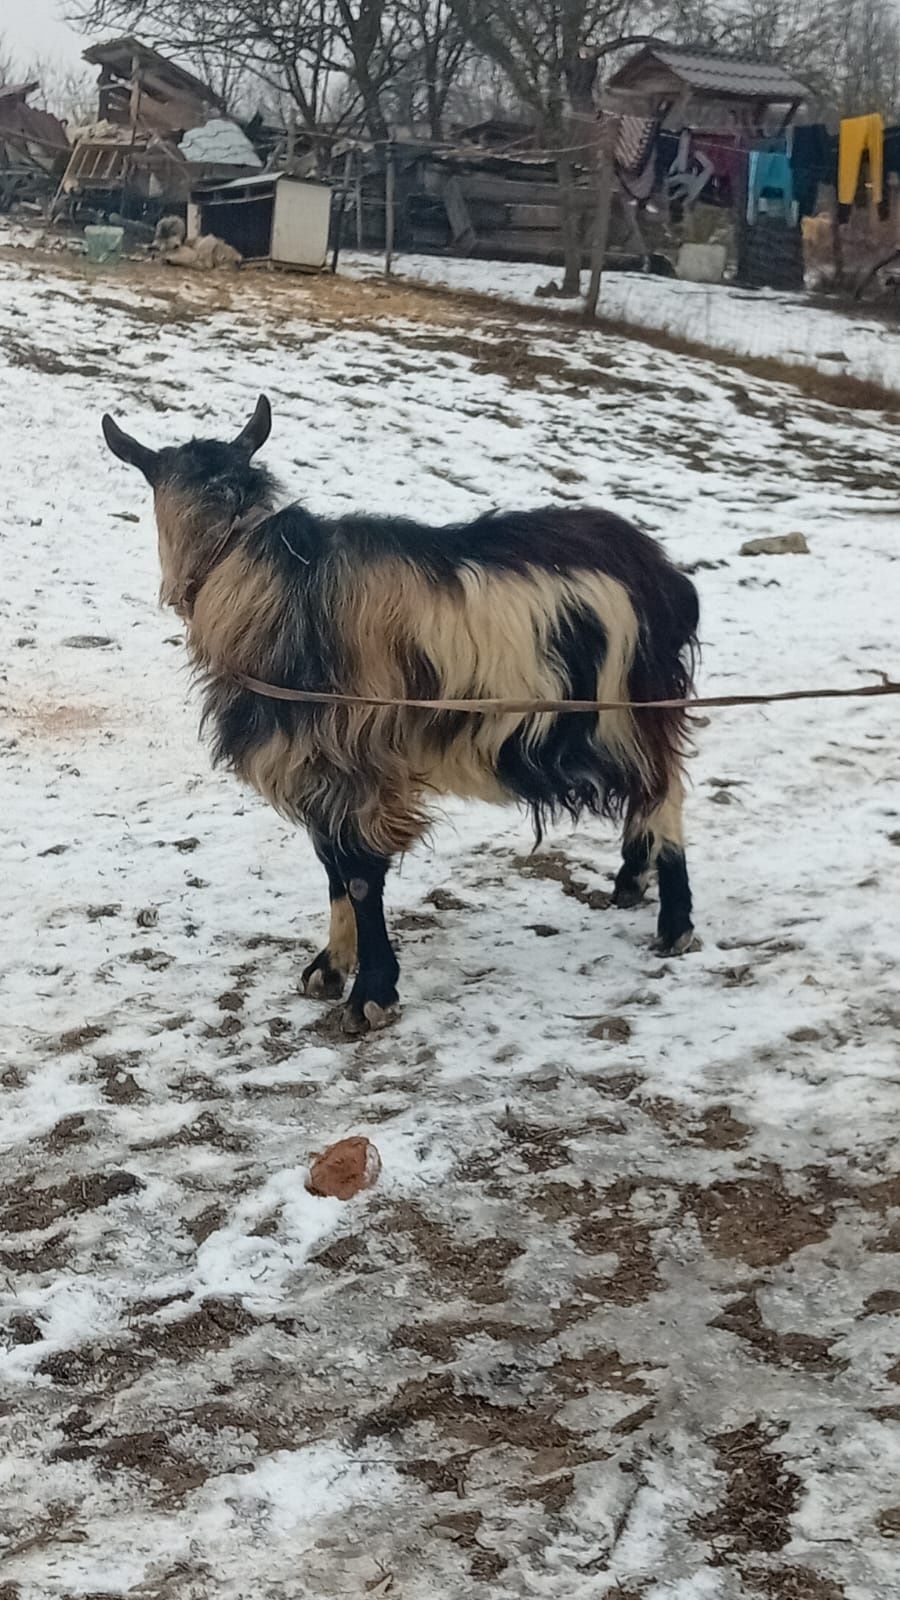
(548, 604)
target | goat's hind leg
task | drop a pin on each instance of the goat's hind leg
(655, 838)
(326, 977)
(374, 994)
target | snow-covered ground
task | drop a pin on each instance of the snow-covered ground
(748, 322)
(619, 1318)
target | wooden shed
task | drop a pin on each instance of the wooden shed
(690, 88)
(469, 198)
(141, 89)
(271, 216)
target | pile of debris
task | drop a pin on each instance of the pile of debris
(33, 147)
(159, 131)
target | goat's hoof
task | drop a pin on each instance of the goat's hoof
(678, 944)
(626, 897)
(322, 981)
(368, 1018)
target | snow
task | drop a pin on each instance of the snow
(512, 1368)
(759, 323)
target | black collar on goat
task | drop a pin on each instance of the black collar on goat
(552, 604)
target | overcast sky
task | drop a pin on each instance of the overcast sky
(32, 28)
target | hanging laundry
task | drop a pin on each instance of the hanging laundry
(891, 160)
(727, 183)
(813, 163)
(769, 178)
(687, 176)
(860, 137)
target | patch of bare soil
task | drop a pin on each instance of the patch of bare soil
(573, 1376)
(793, 1583)
(213, 1326)
(95, 1368)
(556, 868)
(761, 1496)
(472, 1268)
(151, 1453)
(540, 1149)
(26, 1209)
(472, 1419)
(756, 1220)
(77, 1038)
(720, 1129)
(744, 1318)
(604, 1224)
(205, 1223)
(118, 1083)
(60, 721)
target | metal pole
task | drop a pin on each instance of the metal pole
(359, 201)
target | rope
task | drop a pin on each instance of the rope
(312, 697)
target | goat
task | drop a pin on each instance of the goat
(552, 604)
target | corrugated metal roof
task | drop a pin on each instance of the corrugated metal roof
(219, 143)
(763, 80)
(260, 179)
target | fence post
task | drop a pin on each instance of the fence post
(389, 210)
(602, 180)
(341, 205)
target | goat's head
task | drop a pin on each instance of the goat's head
(201, 490)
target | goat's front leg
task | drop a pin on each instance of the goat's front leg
(375, 991)
(326, 976)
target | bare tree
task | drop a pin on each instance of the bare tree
(550, 51)
(69, 92)
(438, 50)
(298, 51)
(341, 65)
(847, 51)
(8, 72)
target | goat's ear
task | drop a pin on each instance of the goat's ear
(254, 436)
(127, 449)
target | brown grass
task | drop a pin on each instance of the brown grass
(186, 298)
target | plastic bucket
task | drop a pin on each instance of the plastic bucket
(103, 244)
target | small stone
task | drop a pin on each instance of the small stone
(148, 918)
(722, 798)
(882, 1303)
(782, 544)
(87, 641)
(344, 1168)
(615, 1030)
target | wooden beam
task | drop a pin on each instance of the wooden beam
(458, 217)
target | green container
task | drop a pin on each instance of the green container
(103, 245)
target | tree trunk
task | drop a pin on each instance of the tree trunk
(570, 226)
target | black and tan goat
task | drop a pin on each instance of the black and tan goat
(519, 605)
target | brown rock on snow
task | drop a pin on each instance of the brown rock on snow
(782, 544)
(344, 1168)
